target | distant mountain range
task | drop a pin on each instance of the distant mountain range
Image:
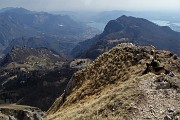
(129, 29)
(55, 43)
(16, 23)
(100, 19)
(35, 69)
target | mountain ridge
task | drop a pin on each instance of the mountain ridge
(114, 87)
(16, 23)
(129, 29)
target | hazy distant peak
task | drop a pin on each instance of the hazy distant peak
(130, 29)
(123, 16)
(129, 18)
(17, 10)
(6, 9)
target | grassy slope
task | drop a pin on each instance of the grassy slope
(110, 87)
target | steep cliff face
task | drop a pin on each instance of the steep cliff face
(114, 87)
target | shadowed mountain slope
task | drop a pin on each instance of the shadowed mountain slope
(129, 29)
(34, 77)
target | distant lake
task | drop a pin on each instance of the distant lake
(177, 24)
(173, 25)
(97, 25)
(161, 22)
(165, 23)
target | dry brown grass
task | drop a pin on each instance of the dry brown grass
(114, 102)
(108, 88)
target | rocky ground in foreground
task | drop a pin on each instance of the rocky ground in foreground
(114, 87)
(18, 112)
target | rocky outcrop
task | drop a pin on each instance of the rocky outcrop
(17, 112)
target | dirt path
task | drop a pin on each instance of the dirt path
(161, 100)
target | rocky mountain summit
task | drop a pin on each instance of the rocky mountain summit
(115, 87)
(129, 29)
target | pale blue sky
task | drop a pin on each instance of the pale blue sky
(68, 5)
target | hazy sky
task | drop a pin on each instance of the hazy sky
(67, 5)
